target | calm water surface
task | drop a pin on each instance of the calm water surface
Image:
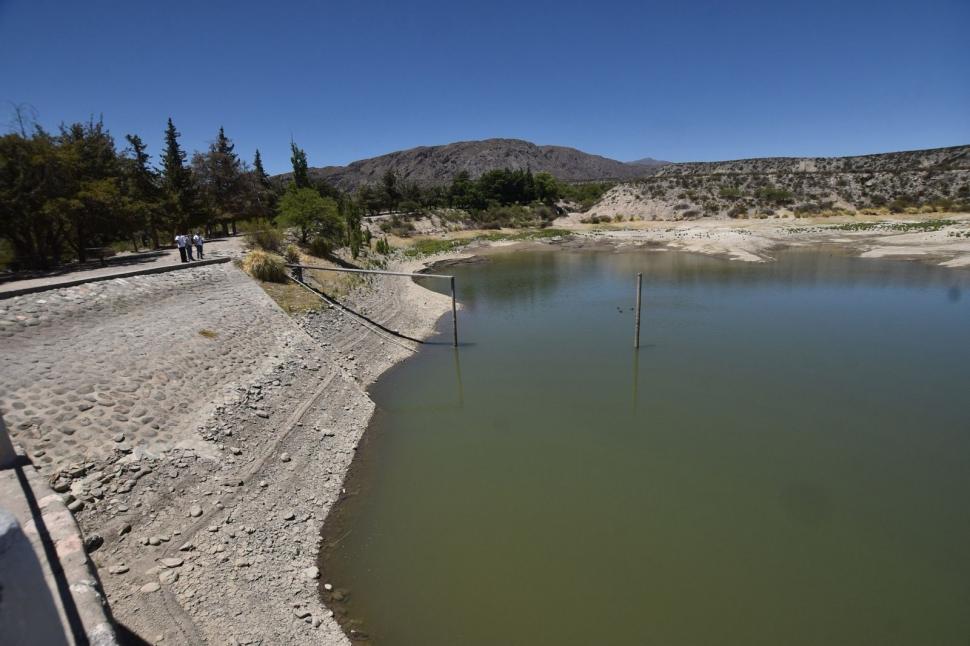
(785, 461)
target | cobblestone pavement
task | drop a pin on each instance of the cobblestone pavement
(128, 362)
(228, 247)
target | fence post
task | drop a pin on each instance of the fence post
(636, 334)
(298, 273)
(8, 457)
(454, 311)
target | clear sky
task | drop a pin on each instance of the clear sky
(679, 80)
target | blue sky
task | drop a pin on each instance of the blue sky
(675, 80)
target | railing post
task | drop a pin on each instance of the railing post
(298, 273)
(8, 457)
(454, 311)
(636, 333)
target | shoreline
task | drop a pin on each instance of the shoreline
(267, 461)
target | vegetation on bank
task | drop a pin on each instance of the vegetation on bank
(431, 246)
(925, 225)
(69, 194)
(806, 194)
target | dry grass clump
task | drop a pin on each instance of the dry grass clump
(263, 266)
(207, 333)
(267, 238)
(292, 254)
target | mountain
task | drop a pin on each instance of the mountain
(649, 162)
(936, 179)
(430, 165)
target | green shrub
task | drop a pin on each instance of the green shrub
(266, 239)
(320, 247)
(382, 246)
(263, 266)
(775, 194)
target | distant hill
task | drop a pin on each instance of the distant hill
(430, 165)
(937, 179)
(648, 162)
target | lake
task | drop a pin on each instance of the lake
(785, 460)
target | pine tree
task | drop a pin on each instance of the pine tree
(177, 179)
(142, 189)
(262, 179)
(220, 176)
(262, 194)
(301, 172)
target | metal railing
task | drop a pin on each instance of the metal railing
(298, 271)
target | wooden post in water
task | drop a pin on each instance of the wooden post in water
(454, 311)
(636, 334)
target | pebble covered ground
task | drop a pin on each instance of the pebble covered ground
(200, 436)
(127, 362)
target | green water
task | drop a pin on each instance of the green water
(785, 461)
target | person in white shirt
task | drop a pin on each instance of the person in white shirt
(180, 243)
(198, 240)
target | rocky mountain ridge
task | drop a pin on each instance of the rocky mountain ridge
(436, 165)
(936, 179)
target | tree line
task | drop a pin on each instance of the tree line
(495, 188)
(67, 193)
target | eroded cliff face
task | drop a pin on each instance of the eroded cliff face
(924, 180)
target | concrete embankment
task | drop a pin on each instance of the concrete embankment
(202, 435)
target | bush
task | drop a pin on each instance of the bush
(292, 254)
(774, 194)
(263, 266)
(265, 239)
(383, 246)
(320, 247)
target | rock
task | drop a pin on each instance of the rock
(188, 547)
(263, 484)
(119, 438)
(172, 561)
(235, 450)
(328, 587)
(301, 613)
(124, 529)
(118, 569)
(312, 572)
(154, 540)
(148, 588)
(61, 484)
(195, 511)
(261, 413)
(93, 542)
(168, 577)
(288, 515)
(284, 457)
(316, 622)
(76, 505)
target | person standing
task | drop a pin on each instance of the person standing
(199, 241)
(188, 246)
(180, 243)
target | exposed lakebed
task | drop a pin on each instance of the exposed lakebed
(785, 460)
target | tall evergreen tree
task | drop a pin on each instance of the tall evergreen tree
(220, 176)
(259, 172)
(262, 195)
(177, 180)
(142, 190)
(301, 171)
